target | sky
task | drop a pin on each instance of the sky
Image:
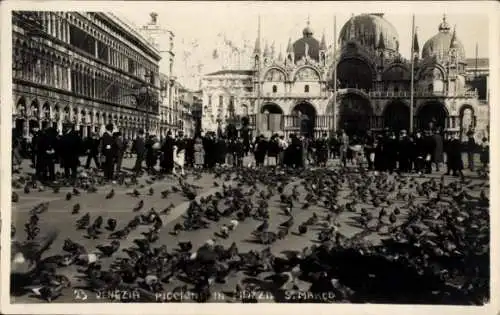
(202, 27)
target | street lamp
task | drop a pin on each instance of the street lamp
(145, 98)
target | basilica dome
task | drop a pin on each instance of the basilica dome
(440, 44)
(306, 45)
(370, 30)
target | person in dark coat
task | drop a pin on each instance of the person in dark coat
(167, 149)
(471, 149)
(47, 149)
(333, 144)
(455, 162)
(190, 152)
(260, 150)
(150, 154)
(405, 148)
(419, 153)
(295, 152)
(221, 151)
(209, 147)
(322, 150)
(108, 151)
(70, 148)
(273, 149)
(484, 156)
(429, 150)
(92, 150)
(369, 148)
(120, 150)
(379, 161)
(437, 154)
(139, 147)
(37, 155)
(239, 152)
(390, 152)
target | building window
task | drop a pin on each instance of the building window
(275, 89)
(221, 101)
(396, 89)
(210, 100)
(306, 89)
(430, 87)
(82, 40)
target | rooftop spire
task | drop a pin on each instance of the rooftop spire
(444, 27)
(381, 41)
(307, 32)
(352, 28)
(257, 49)
(289, 47)
(266, 50)
(280, 56)
(322, 45)
(453, 41)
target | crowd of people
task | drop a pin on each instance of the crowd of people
(421, 152)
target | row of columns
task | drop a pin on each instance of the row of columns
(278, 122)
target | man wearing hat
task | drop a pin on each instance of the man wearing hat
(405, 148)
(108, 152)
(92, 150)
(167, 149)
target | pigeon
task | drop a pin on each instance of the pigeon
(46, 292)
(111, 194)
(15, 197)
(151, 191)
(108, 250)
(139, 206)
(76, 209)
(27, 189)
(111, 224)
(76, 192)
(302, 228)
(69, 196)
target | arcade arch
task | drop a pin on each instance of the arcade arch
(432, 115)
(397, 116)
(305, 114)
(355, 114)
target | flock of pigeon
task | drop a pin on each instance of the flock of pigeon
(418, 240)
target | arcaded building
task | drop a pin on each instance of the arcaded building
(293, 90)
(81, 69)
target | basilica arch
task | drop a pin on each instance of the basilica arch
(432, 114)
(355, 113)
(354, 72)
(397, 116)
(467, 120)
(272, 118)
(305, 114)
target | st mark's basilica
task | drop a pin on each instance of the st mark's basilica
(294, 91)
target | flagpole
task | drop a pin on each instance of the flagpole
(412, 71)
(334, 74)
(258, 115)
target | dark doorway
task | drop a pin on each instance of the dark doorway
(355, 114)
(397, 116)
(306, 114)
(432, 115)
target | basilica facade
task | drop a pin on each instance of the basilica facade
(294, 91)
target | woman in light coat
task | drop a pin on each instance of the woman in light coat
(179, 155)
